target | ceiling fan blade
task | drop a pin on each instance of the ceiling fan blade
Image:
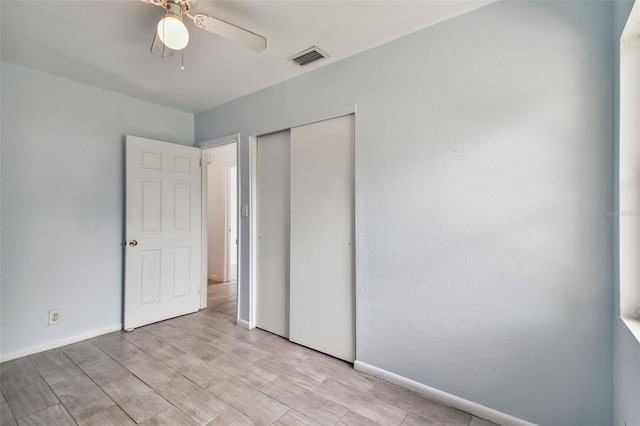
(158, 48)
(231, 32)
(162, 3)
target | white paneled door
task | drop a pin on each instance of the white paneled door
(162, 230)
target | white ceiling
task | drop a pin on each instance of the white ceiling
(105, 43)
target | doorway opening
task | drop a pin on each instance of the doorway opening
(222, 228)
(628, 171)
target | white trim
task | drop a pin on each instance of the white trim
(444, 397)
(634, 326)
(253, 202)
(253, 174)
(312, 117)
(626, 216)
(216, 278)
(59, 343)
(204, 225)
(244, 324)
(239, 260)
(224, 140)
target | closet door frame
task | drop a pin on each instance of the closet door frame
(303, 119)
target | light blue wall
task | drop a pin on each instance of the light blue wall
(62, 201)
(484, 165)
(626, 372)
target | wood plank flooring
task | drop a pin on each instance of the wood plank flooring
(202, 369)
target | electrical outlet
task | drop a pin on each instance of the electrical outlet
(55, 316)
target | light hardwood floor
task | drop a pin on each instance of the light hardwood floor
(202, 369)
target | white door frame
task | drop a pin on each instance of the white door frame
(214, 143)
(253, 222)
(253, 196)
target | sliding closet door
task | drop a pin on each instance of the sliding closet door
(322, 308)
(272, 223)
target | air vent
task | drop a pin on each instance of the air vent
(308, 56)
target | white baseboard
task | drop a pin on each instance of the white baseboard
(244, 324)
(58, 343)
(216, 278)
(444, 397)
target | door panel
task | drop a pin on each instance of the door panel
(151, 205)
(163, 216)
(182, 197)
(322, 299)
(272, 222)
(150, 283)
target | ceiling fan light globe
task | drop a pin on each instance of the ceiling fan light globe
(172, 32)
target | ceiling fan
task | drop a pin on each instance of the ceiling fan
(171, 33)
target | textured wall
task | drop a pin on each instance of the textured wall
(484, 166)
(63, 201)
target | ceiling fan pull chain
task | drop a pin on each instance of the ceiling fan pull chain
(182, 64)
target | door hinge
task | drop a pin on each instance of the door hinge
(200, 162)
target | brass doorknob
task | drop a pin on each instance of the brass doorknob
(133, 243)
